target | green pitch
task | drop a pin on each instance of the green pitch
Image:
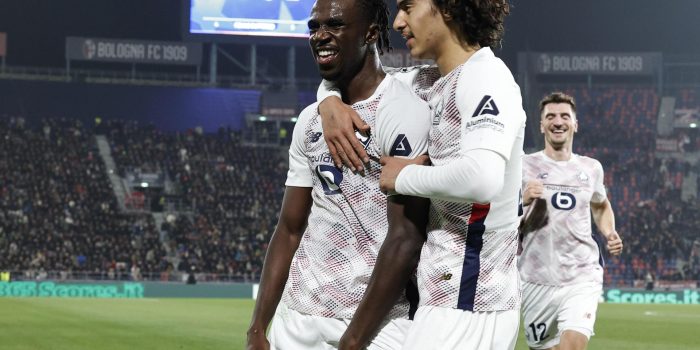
(73, 324)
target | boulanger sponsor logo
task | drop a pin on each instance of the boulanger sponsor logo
(565, 188)
(321, 158)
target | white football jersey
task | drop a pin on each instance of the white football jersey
(348, 219)
(564, 251)
(469, 259)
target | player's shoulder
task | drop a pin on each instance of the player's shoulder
(485, 79)
(420, 76)
(587, 161)
(532, 158)
(397, 93)
(308, 113)
(533, 155)
(485, 68)
(399, 72)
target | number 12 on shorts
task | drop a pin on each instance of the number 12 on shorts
(538, 331)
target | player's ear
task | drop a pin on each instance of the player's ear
(372, 35)
(575, 124)
(541, 127)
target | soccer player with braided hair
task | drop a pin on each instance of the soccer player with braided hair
(332, 223)
(467, 274)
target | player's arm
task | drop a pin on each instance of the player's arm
(340, 121)
(396, 261)
(604, 219)
(602, 212)
(492, 118)
(296, 206)
(476, 177)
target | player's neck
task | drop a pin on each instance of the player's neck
(452, 54)
(561, 154)
(365, 82)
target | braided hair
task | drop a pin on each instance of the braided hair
(378, 13)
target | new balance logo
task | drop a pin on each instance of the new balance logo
(486, 106)
(314, 137)
(401, 147)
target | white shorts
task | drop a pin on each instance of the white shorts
(292, 330)
(443, 328)
(550, 310)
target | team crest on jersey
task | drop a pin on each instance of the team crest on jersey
(314, 136)
(364, 140)
(486, 106)
(401, 147)
(543, 176)
(437, 112)
(583, 177)
(330, 177)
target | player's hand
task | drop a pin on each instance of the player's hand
(339, 123)
(533, 189)
(391, 167)
(257, 341)
(614, 243)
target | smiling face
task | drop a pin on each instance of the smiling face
(423, 27)
(558, 124)
(339, 38)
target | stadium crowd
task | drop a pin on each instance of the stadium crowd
(58, 211)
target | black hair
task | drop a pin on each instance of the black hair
(378, 13)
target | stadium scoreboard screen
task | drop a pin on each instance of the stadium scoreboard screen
(266, 18)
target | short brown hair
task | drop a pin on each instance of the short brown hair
(558, 97)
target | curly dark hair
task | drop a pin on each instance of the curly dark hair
(378, 13)
(558, 97)
(478, 21)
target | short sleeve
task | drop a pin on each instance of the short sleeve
(403, 123)
(326, 89)
(599, 192)
(490, 103)
(299, 174)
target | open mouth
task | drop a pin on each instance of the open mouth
(326, 56)
(558, 132)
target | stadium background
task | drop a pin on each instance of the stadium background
(124, 179)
